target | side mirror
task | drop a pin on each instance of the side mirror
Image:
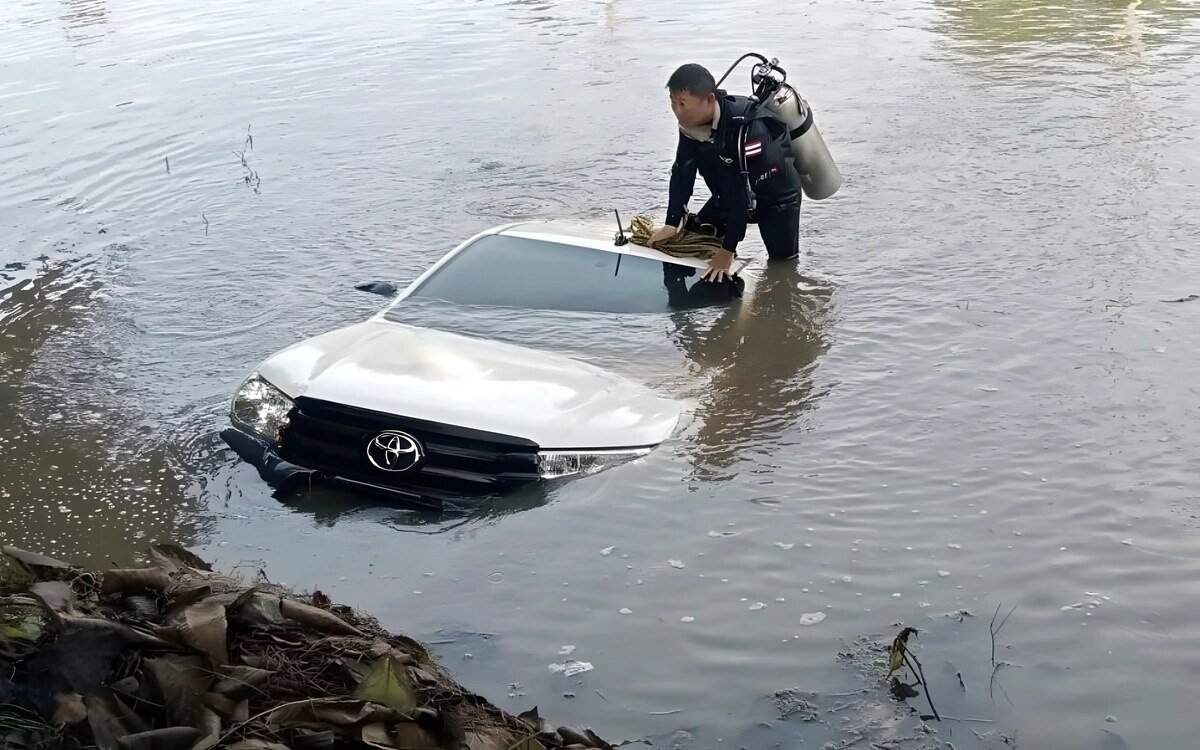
(382, 288)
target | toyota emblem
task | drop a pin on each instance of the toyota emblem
(394, 451)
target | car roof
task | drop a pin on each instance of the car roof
(592, 235)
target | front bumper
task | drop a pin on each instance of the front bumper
(285, 476)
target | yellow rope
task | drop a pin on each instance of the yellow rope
(686, 244)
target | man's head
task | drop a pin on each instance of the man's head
(693, 95)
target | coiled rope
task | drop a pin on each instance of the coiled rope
(695, 241)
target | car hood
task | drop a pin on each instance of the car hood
(556, 401)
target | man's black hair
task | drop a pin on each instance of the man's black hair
(692, 78)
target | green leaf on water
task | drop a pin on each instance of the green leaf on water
(387, 684)
(895, 659)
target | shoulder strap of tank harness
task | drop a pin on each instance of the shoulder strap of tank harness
(741, 155)
(753, 111)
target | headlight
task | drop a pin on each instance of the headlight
(552, 464)
(261, 408)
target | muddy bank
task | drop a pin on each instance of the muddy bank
(174, 655)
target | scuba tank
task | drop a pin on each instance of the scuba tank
(819, 174)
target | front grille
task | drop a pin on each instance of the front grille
(459, 462)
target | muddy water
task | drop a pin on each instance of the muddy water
(975, 391)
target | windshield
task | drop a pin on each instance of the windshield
(518, 272)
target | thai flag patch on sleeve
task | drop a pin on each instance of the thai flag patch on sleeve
(753, 148)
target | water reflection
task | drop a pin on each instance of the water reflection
(1124, 26)
(329, 504)
(80, 13)
(758, 357)
(85, 20)
(70, 486)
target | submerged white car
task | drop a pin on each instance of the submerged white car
(424, 414)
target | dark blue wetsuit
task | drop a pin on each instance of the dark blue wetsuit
(769, 167)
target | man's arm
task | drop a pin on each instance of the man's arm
(683, 180)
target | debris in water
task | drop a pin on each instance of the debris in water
(757, 606)
(784, 545)
(677, 564)
(626, 611)
(382, 288)
(988, 389)
(607, 551)
(687, 618)
(943, 573)
(571, 667)
(811, 618)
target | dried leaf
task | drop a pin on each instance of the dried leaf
(425, 676)
(132, 636)
(202, 626)
(186, 593)
(534, 720)
(238, 682)
(220, 705)
(241, 712)
(317, 619)
(68, 709)
(127, 686)
(902, 691)
(377, 735)
(260, 610)
(133, 580)
(406, 735)
(387, 684)
(171, 738)
(488, 738)
(183, 685)
(55, 596)
(178, 555)
(31, 561)
(340, 712)
(572, 736)
(106, 719)
(596, 741)
(409, 736)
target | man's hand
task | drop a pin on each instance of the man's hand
(663, 234)
(718, 267)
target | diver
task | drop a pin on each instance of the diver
(744, 154)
